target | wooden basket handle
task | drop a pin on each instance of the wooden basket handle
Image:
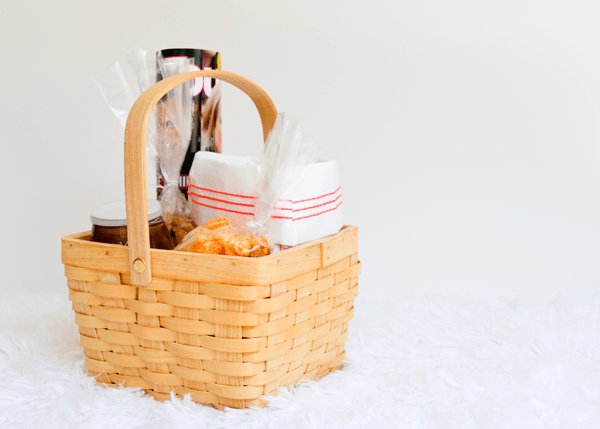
(136, 198)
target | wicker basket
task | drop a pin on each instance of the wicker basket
(225, 329)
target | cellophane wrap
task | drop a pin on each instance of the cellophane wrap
(169, 126)
(284, 154)
(174, 126)
(123, 82)
(121, 85)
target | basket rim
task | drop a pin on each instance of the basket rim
(78, 236)
(77, 251)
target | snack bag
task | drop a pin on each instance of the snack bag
(220, 236)
(174, 127)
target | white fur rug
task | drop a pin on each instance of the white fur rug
(417, 363)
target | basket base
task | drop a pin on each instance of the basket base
(259, 402)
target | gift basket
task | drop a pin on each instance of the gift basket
(225, 329)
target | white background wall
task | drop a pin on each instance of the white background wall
(467, 131)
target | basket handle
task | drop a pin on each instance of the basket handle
(136, 198)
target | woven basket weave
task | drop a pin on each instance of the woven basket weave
(225, 329)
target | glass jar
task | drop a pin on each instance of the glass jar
(109, 225)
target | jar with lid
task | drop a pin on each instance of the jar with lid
(109, 225)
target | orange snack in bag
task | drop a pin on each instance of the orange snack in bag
(247, 245)
(220, 238)
(208, 244)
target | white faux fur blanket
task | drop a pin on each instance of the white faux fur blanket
(416, 363)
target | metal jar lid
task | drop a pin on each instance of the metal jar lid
(115, 214)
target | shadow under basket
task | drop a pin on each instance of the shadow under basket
(225, 329)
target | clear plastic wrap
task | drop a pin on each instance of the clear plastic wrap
(174, 124)
(282, 164)
(285, 152)
(169, 127)
(123, 82)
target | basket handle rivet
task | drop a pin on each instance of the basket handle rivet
(139, 265)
